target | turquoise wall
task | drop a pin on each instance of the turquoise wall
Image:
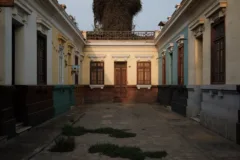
(174, 68)
(63, 98)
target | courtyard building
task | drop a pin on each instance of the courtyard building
(190, 65)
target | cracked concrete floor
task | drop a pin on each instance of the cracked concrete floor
(156, 128)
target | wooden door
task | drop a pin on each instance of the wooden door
(181, 65)
(120, 78)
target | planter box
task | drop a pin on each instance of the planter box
(63, 98)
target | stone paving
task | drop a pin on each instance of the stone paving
(156, 128)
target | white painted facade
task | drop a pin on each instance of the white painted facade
(199, 60)
(30, 16)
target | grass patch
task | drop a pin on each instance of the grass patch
(78, 131)
(132, 153)
(63, 144)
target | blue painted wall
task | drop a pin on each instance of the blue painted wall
(174, 68)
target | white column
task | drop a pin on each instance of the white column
(49, 57)
(6, 46)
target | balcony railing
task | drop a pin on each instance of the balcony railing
(121, 35)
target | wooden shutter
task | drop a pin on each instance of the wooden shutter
(181, 65)
(97, 73)
(144, 73)
(41, 59)
(218, 55)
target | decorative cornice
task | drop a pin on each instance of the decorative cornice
(118, 57)
(65, 16)
(42, 26)
(147, 57)
(178, 13)
(62, 38)
(197, 27)
(70, 45)
(196, 24)
(180, 40)
(217, 10)
(21, 11)
(97, 57)
(23, 6)
(170, 47)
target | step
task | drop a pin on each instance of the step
(19, 125)
(3, 139)
(23, 129)
(196, 119)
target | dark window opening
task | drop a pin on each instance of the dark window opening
(218, 53)
(181, 65)
(41, 59)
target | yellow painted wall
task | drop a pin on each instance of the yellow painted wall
(109, 62)
(68, 77)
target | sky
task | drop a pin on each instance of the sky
(152, 13)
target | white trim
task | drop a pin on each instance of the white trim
(180, 40)
(61, 64)
(21, 11)
(220, 4)
(170, 48)
(144, 86)
(196, 24)
(174, 18)
(96, 86)
(67, 19)
(147, 57)
(197, 27)
(23, 6)
(42, 26)
(95, 57)
(119, 44)
(120, 57)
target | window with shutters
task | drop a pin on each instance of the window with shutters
(97, 73)
(218, 53)
(144, 73)
(41, 59)
(181, 64)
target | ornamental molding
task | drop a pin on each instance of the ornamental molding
(62, 39)
(217, 10)
(120, 57)
(170, 48)
(163, 53)
(20, 12)
(180, 40)
(43, 26)
(97, 57)
(81, 57)
(198, 27)
(144, 57)
(70, 45)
